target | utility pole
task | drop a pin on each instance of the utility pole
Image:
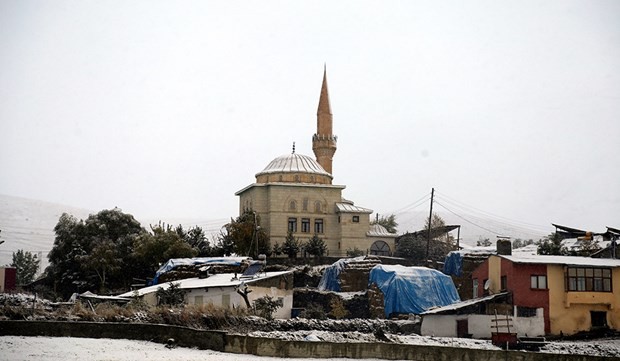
(430, 224)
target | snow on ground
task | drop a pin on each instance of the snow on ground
(19, 348)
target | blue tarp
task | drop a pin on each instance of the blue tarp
(453, 264)
(330, 281)
(413, 289)
(175, 262)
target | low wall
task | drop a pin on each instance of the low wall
(220, 341)
(185, 337)
(388, 351)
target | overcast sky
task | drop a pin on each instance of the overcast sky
(166, 109)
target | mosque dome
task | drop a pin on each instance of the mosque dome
(294, 168)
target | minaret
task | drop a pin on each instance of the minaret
(324, 142)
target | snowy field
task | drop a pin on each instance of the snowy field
(18, 348)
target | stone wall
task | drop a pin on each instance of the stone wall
(220, 341)
(388, 351)
(185, 337)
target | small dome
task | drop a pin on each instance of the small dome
(377, 230)
(294, 163)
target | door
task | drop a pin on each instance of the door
(462, 328)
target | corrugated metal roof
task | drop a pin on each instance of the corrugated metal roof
(350, 208)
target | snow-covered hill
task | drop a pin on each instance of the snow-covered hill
(29, 225)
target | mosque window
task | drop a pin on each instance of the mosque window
(305, 204)
(305, 225)
(292, 224)
(317, 207)
(356, 219)
(292, 206)
(318, 225)
(380, 248)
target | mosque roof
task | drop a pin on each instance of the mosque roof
(350, 208)
(294, 163)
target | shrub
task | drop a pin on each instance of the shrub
(266, 306)
(172, 296)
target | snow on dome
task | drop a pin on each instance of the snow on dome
(294, 163)
(377, 230)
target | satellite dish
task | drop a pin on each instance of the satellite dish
(487, 284)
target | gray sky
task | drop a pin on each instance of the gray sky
(165, 109)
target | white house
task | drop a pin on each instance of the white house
(476, 318)
(220, 290)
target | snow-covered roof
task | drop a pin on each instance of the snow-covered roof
(175, 262)
(564, 260)
(350, 208)
(463, 304)
(294, 163)
(217, 280)
(575, 244)
(377, 230)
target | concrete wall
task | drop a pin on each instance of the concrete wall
(219, 341)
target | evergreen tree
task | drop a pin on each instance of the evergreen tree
(316, 246)
(26, 265)
(291, 246)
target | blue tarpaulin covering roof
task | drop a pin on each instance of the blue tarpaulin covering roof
(413, 289)
(330, 281)
(175, 262)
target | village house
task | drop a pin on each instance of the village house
(221, 290)
(574, 293)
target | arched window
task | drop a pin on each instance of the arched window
(380, 248)
(292, 206)
(318, 207)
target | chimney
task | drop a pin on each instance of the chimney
(504, 246)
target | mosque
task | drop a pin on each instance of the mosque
(294, 193)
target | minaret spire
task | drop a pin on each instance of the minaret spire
(324, 141)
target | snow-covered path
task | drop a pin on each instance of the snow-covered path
(19, 348)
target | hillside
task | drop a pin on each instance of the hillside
(29, 225)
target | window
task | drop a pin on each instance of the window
(526, 311)
(587, 279)
(538, 282)
(504, 283)
(318, 225)
(475, 288)
(198, 300)
(305, 204)
(305, 225)
(380, 248)
(292, 206)
(356, 219)
(292, 225)
(599, 319)
(317, 207)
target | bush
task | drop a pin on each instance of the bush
(173, 296)
(266, 306)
